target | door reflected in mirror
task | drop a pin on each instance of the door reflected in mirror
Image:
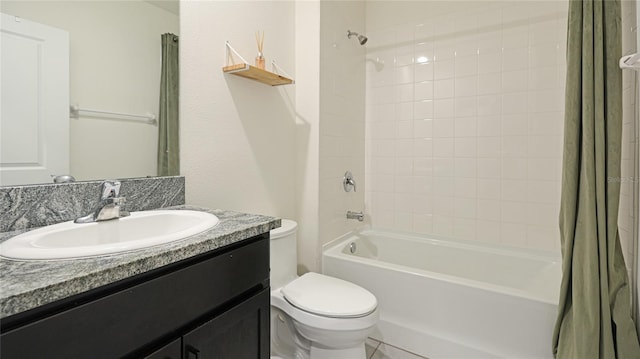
(114, 66)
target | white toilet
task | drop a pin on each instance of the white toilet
(315, 316)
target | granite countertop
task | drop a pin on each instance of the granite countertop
(26, 285)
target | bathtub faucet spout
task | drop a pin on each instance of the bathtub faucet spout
(355, 215)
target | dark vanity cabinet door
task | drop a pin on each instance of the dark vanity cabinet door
(239, 333)
(172, 350)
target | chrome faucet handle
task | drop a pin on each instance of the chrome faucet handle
(110, 189)
(108, 206)
(117, 201)
(348, 182)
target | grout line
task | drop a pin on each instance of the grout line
(404, 350)
(375, 350)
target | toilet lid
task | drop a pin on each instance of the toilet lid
(330, 297)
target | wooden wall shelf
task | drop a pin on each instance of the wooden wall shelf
(257, 74)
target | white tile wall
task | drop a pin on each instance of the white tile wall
(464, 121)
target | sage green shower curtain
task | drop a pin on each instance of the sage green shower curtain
(594, 312)
(168, 126)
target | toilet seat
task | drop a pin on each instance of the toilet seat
(329, 297)
(319, 321)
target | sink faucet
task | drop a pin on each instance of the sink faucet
(109, 205)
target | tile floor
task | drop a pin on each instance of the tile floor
(379, 350)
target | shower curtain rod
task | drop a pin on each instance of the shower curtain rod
(148, 118)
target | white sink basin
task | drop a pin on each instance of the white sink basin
(139, 230)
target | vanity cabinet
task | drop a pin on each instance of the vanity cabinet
(214, 305)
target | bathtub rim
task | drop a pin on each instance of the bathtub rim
(335, 249)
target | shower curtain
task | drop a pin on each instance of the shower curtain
(594, 313)
(168, 126)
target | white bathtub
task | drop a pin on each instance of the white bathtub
(453, 299)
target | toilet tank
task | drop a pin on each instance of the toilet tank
(283, 254)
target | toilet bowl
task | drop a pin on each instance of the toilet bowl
(315, 316)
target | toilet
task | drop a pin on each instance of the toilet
(315, 316)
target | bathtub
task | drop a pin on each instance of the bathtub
(453, 299)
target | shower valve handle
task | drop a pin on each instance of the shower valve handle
(348, 182)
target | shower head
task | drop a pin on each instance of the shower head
(361, 38)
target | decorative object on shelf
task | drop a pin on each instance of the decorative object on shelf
(260, 56)
(255, 73)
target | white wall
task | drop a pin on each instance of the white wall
(464, 119)
(237, 136)
(342, 102)
(114, 66)
(330, 119)
(307, 87)
(278, 151)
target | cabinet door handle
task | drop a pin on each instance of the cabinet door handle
(189, 350)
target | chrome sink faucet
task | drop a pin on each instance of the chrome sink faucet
(109, 205)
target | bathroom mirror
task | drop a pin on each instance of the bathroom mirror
(114, 50)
